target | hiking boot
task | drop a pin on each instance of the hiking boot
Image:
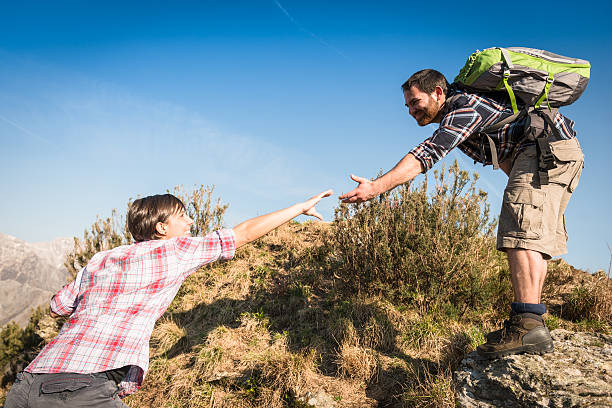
(495, 335)
(522, 333)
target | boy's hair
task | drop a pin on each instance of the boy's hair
(426, 81)
(145, 213)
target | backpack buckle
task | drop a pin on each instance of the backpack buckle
(546, 158)
(547, 161)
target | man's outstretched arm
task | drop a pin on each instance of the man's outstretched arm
(254, 228)
(405, 170)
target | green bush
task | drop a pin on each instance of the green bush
(11, 342)
(14, 339)
(434, 250)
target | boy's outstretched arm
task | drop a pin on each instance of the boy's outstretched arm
(254, 228)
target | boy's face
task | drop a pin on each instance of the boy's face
(178, 225)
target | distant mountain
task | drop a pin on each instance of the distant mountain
(29, 275)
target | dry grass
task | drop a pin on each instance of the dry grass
(358, 363)
(354, 361)
(167, 334)
(431, 390)
(582, 299)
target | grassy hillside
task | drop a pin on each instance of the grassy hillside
(374, 309)
(275, 324)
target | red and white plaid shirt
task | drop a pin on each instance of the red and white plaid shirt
(115, 301)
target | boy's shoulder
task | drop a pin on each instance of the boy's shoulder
(124, 251)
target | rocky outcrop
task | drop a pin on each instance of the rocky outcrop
(29, 275)
(578, 373)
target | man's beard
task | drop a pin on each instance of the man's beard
(428, 114)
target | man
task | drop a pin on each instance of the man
(102, 351)
(531, 225)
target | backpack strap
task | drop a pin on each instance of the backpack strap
(494, 158)
(541, 125)
(506, 77)
(544, 94)
(505, 121)
(485, 133)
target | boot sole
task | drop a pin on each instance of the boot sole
(539, 348)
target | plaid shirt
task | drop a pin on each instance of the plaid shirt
(115, 301)
(466, 117)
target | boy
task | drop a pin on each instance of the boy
(101, 354)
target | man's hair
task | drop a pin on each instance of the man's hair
(145, 213)
(426, 81)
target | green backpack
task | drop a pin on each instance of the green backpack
(531, 77)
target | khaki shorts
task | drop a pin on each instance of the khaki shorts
(532, 215)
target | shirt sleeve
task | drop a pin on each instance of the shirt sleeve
(456, 126)
(194, 252)
(131, 382)
(64, 302)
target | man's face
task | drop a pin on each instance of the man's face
(178, 225)
(423, 107)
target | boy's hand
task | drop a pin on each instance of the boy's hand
(254, 228)
(309, 205)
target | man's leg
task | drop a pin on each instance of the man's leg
(522, 234)
(525, 331)
(531, 230)
(528, 271)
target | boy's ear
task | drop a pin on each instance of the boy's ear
(161, 229)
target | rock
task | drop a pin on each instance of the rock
(577, 373)
(318, 399)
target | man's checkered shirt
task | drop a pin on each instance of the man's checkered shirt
(115, 300)
(466, 117)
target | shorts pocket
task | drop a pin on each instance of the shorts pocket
(522, 213)
(567, 150)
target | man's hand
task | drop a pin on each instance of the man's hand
(365, 191)
(309, 205)
(404, 171)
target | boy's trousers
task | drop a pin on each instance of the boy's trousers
(63, 390)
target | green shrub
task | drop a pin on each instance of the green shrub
(11, 342)
(14, 340)
(206, 213)
(432, 250)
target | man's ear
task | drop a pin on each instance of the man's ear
(439, 92)
(161, 229)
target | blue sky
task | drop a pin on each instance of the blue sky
(271, 101)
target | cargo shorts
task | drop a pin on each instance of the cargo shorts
(532, 215)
